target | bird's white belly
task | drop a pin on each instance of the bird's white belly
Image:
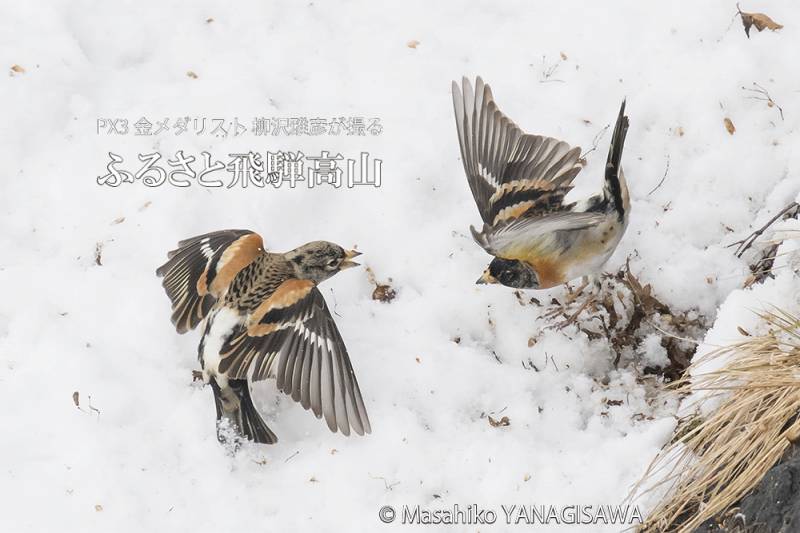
(223, 321)
(598, 244)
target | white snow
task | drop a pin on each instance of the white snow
(652, 352)
(148, 458)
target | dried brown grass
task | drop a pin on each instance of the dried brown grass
(713, 462)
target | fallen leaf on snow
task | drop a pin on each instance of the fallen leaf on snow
(192, 74)
(729, 126)
(383, 292)
(503, 422)
(759, 20)
(412, 43)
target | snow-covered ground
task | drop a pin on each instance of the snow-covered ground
(148, 458)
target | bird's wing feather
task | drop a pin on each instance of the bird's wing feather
(200, 270)
(292, 336)
(507, 169)
(523, 238)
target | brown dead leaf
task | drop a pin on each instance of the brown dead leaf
(729, 126)
(209, 20)
(384, 293)
(563, 56)
(742, 331)
(503, 422)
(413, 43)
(98, 508)
(118, 220)
(679, 131)
(192, 74)
(76, 398)
(527, 477)
(759, 20)
(18, 69)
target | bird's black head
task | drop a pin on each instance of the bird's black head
(319, 260)
(511, 273)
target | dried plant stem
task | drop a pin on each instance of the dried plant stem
(708, 469)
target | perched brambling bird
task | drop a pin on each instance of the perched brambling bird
(519, 182)
(264, 317)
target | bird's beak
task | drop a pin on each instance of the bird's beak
(347, 263)
(486, 278)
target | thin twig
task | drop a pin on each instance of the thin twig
(389, 486)
(291, 456)
(595, 142)
(745, 244)
(664, 177)
(763, 96)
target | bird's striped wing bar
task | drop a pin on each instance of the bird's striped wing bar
(200, 270)
(507, 170)
(292, 336)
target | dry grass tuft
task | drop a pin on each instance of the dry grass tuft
(714, 462)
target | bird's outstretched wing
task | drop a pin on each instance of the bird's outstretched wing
(293, 337)
(511, 173)
(528, 238)
(201, 269)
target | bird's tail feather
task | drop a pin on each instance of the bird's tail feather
(615, 189)
(235, 409)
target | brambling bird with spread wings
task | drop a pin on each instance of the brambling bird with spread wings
(264, 317)
(520, 181)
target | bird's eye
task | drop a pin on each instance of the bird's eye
(333, 262)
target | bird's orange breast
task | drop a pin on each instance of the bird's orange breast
(550, 271)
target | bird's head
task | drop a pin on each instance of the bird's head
(319, 260)
(511, 273)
